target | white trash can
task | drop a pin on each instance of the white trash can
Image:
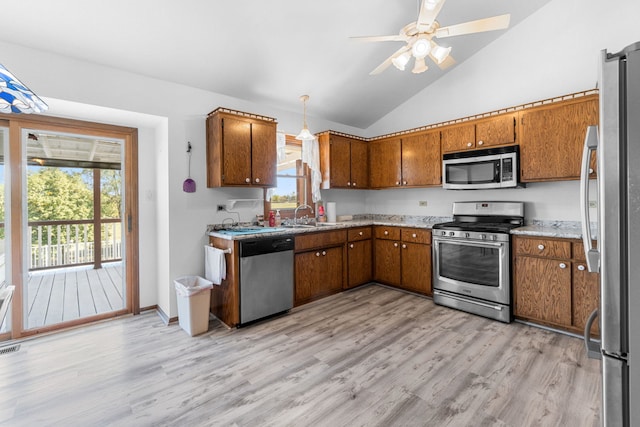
(193, 294)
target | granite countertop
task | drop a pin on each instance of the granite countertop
(560, 229)
(361, 221)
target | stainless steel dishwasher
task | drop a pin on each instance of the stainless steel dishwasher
(266, 277)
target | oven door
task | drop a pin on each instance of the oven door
(473, 268)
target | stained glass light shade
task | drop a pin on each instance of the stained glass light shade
(15, 97)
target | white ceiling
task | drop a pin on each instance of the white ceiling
(268, 52)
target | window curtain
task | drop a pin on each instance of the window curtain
(311, 156)
(281, 154)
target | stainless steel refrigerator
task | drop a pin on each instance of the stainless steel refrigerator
(616, 255)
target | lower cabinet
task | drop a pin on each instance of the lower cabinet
(318, 265)
(552, 285)
(359, 257)
(403, 258)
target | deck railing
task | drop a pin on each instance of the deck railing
(68, 243)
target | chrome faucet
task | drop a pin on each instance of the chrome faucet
(295, 212)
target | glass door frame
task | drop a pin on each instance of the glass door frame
(18, 207)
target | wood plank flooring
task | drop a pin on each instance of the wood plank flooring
(64, 294)
(372, 356)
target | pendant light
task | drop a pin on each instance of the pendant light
(304, 134)
(15, 97)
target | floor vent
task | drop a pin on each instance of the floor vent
(9, 349)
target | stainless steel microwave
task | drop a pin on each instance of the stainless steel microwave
(478, 169)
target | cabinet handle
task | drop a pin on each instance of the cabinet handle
(395, 245)
(247, 180)
(361, 233)
(469, 144)
(397, 182)
(348, 184)
(404, 182)
(404, 246)
(324, 253)
(351, 246)
(581, 267)
(590, 170)
(541, 247)
(386, 233)
(563, 265)
(257, 179)
(353, 185)
(480, 142)
(414, 235)
(317, 253)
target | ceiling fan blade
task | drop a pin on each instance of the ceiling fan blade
(429, 10)
(448, 62)
(380, 68)
(488, 24)
(396, 38)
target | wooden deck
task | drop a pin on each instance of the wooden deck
(71, 293)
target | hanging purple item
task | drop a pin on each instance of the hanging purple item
(189, 185)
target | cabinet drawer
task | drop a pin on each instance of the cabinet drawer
(543, 248)
(416, 235)
(355, 234)
(320, 240)
(390, 233)
(578, 250)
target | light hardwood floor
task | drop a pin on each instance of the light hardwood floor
(372, 356)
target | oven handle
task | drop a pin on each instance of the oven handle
(469, 242)
(482, 304)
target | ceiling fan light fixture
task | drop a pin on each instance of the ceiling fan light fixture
(421, 48)
(304, 134)
(420, 66)
(440, 53)
(401, 61)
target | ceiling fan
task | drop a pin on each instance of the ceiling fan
(419, 37)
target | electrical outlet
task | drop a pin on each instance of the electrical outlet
(593, 204)
(221, 208)
(422, 203)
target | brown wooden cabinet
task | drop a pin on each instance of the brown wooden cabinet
(318, 265)
(225, 298)
(344, 161)
(403, 258)
(481, 133)
(359, 257)
(410, 161)
(241, 150)
(552, 285)
(552, 137)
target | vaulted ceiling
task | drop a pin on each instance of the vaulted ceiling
(268, 52)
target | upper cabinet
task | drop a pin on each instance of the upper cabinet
(344, 161)
(241, 149)
(481, 133)
(552, 138)
(413, 160)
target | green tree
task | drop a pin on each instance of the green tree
(54, 194)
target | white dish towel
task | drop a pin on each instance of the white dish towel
(215, 266)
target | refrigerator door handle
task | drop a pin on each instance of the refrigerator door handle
(591, 253)
(594, 350)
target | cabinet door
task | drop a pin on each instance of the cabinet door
(317, 273)
(586, 296)
(498, 130)
(543, 290)
(340, 161)
(421, 161)
(387, 262)
(236, 152)
(458, 138)
(359, 263)
(385, 164)
(552, 140)
(263, 154)
(416, 267)
(359, 164)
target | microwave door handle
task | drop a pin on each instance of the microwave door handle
(498, 176)
(591, 254)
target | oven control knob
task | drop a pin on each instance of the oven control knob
(494, 237)
(467, 235)
(452, 233)
(483, 236)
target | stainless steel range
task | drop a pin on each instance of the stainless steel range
(472, 258)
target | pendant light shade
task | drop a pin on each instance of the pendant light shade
(15, 97)
(304, 134)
